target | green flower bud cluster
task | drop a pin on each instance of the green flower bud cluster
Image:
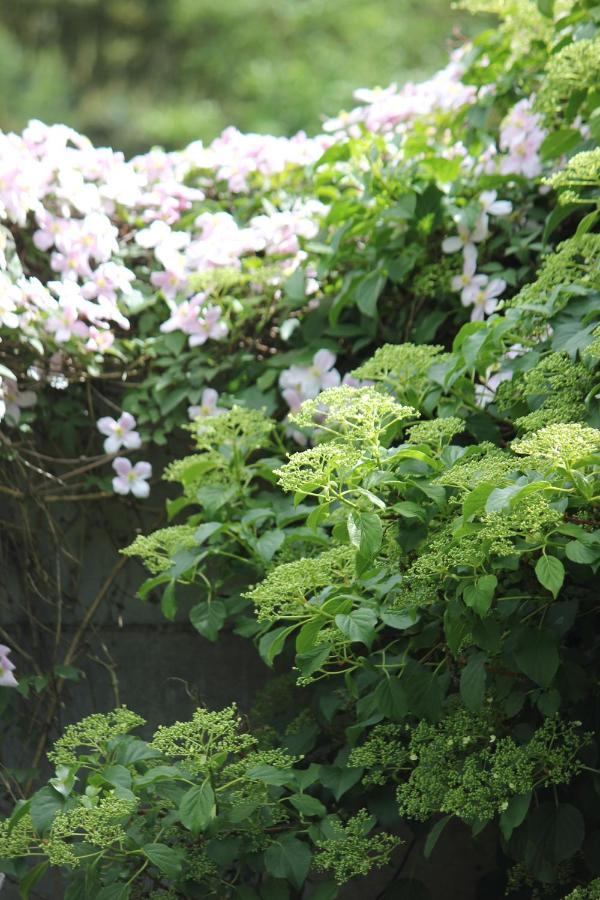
(351, 852)
(404, 368)
(92, 734)
(575, 261)
(589, 891)
(383, 754)
(288, 589)
(562, 444)
(157, 550)
(573, 69)
(581, 171)
(437, 432)
(242, 428)
(463, 768)
(557, 386)
(200, 742)
(360, 414)
(322, 470)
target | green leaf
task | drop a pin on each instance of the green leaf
(479, 595)
(559, 142)
(537, 656)
(269, 543)
(204, 531)
(168, 602)
(31, 879)
(391, 698)
(367, 291)
(423, 691)
(514, 814)
(166, 859)
(307, 805)
(198, 807)
(434, 835)
(546, 7)
(312, 660)
(208, 618)
(289, 858)
(476, 500)
(550, 573)
(579, 553)
(365, 532)
(45, 804)
(359, 625)
(114, 892)
(272, 643)
(339, 779)
(271, 775)
(554, 834)
(472, 682)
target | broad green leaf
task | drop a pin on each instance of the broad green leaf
(359, 625)
(391, 698)
(479, 595)
(367, 291)
(472, 682)
(272, 643)
(31, 879)
(550, 573)
(434, 835)
(289, 858)
(45, 804)
(365, 532)
(514, 814)
(579, 553)
(307, 805)
(168, 601)
(537, 656)
(166, 859)
(198, 807)
(208, 618)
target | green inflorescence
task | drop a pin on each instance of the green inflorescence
(156, 550)
(92, 734)
(437, 432)
(575, 261)
(589, 891)
(402, 367)
(244, 429)
(383, 754)
(461, 767)
(556, 389)
(207, 735)
(563, 443)
(360, 414)
(573, 69)
(351, 851)
(319, 469)
(288, 589)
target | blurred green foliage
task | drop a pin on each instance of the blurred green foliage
(131, 73)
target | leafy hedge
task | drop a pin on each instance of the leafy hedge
(425, 567)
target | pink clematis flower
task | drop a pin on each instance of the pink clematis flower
(209, 326)
(468, 281)
(483, 298)
(120, 432)
(131, 479)
(300, 383)
(493, 207)
(15, 400)
(465, 236)
(99, 340)
(208, 405)
(7, 679)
